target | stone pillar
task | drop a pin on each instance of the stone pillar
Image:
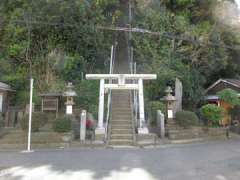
(142, 129)
(100, 129)
(83, 125)
(178, 96)
(161, 123)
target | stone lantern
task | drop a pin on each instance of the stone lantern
(69, 94)
(170, 102)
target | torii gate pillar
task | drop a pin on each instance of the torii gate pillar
(142, 126)
(100, 128)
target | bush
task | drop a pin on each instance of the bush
(186, 118)
(1, 121)
(39, 119)
(62, 124)
(229, 96)
(154, 106)
(235, 112)
(212, 113)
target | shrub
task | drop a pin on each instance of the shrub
(154, 106)
(212, 113)
(39, 119)
(1, 120)
(186, 118)
(229, 96)
(235, 112)
(62, 124)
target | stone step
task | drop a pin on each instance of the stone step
(119, 93)
(121, 136)
(121, 117)
(174, 128)
(121, 131)
(122, 106)
(122, 100)
(122, 112)
(121, 142)
(121, 122)
(121, 126)
(117, 116)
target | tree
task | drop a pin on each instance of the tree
(229, 96)
(182, 49)
(63, 42)
(212, 113)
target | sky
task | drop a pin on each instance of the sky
(238, 3)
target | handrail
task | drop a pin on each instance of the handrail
(109, 108)
(109, 105)
(135, 98)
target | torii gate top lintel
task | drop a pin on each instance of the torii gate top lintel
(118, 76)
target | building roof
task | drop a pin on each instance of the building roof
(235, 82)
(232, 82)
(5, 87)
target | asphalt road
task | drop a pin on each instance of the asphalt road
(218, 160)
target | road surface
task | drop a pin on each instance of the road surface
(219, 160)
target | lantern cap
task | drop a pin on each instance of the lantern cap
(69, 92)
(169, 97)
(168, 90)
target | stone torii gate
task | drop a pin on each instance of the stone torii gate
(121, 85)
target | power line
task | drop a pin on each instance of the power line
(136, 30)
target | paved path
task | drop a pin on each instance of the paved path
(204, 161)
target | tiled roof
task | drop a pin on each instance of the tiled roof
(5, 87)
(233, 82)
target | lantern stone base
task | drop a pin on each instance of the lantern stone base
(99, 131)
(99, 134)
(143, 130)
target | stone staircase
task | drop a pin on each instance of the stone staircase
(121, 130)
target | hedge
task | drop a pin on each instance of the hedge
(186, 119)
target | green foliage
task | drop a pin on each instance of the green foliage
(39, 119)
(1, 121)
(171, 57)
(154, 106)
(235, 112)
(56, 52)
(186, 119)
(212, 113)
(88, 95)
(62, 124)
(229, 96)
(63, 44)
